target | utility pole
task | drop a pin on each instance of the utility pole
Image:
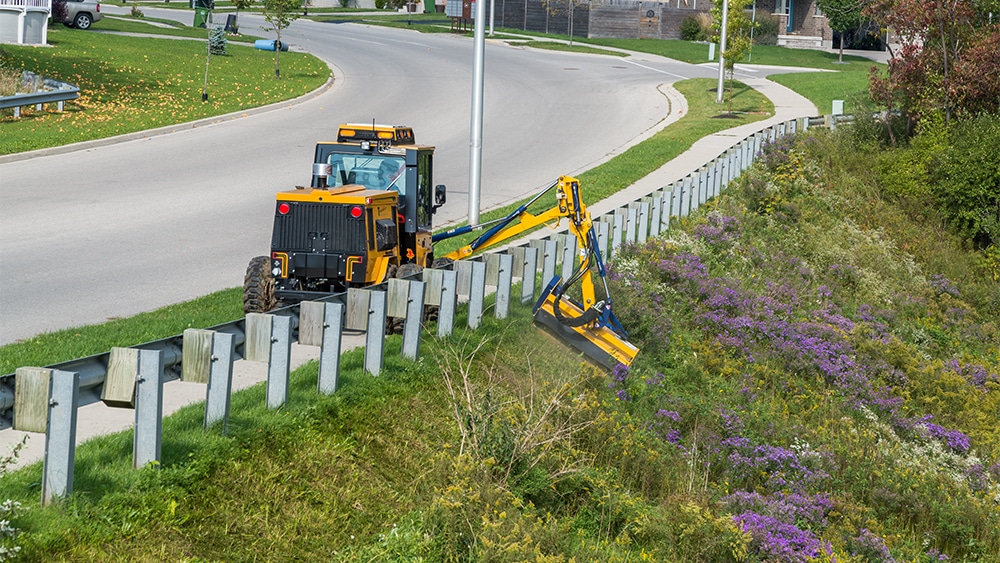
(476, 128)
(722, 49)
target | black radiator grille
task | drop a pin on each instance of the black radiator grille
(319, 228)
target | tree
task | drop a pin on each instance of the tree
(738, 27)
(947, 63)
(842, 15)
(279, 14)
(241, 5)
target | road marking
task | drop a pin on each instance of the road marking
(657, 70)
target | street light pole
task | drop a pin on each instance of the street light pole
(722, 49)
(476, 129)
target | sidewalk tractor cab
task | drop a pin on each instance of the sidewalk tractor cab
(365, 217)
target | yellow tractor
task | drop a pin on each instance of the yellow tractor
(366, 217)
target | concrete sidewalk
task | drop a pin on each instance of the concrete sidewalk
(787, 105)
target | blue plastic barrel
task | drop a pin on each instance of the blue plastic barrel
(268, 45)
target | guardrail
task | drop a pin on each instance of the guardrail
(46, 91)
(47, 399)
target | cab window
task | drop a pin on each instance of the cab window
(374, 172)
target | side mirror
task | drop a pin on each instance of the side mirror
(440, 195)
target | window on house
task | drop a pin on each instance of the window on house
(782, 7)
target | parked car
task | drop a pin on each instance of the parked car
(80, 14)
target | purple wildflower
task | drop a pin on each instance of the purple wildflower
(871, 548)
(777, 541)
(942, 285)
(954, 439)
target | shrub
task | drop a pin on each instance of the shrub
(697, 27)
(58, 11)
(967, 181)
(767, 29)
(690, 29)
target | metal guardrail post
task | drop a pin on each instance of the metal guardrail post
(531, 272)
(148, 409)
(279, 362)
(414, 320)
(220, 380)
(375, 333)
(504, 283)
(329, 358)
(477, 294)
(60, 438)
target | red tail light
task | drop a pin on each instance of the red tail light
(284, 208)
(356, 211)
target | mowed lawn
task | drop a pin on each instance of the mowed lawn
(130, 84)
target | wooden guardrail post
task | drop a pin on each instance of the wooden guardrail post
(31, 395)
(197, 355)
(60, 438)
(148, 408)
(332, 341)
(119, 388)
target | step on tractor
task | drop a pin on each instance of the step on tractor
(366, 217)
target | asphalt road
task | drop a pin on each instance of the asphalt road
(125, 227)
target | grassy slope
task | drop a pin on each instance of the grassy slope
(709, 434)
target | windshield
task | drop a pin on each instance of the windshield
(375, 172)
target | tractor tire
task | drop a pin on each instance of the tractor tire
(441, 263)
(258, 287)
(409, 270)
(394, 325)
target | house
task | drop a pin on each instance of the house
(24, 22)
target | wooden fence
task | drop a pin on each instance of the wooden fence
(47, 399)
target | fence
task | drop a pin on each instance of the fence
(44, 91)
(47, 399)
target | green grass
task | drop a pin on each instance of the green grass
(115, 99)
(63, 345)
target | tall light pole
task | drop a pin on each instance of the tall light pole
(476, 128)
(722, 49)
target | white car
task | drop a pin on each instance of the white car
(80, 14)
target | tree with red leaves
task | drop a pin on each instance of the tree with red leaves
(948, 61)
